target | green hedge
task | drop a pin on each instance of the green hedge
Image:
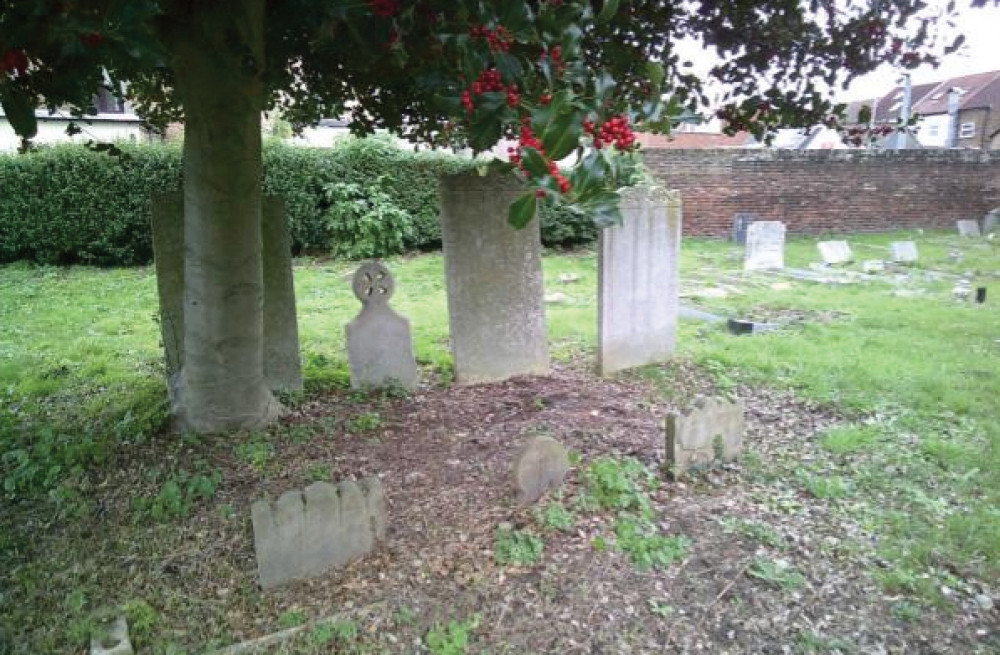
(67, 204)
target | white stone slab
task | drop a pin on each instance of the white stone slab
(903, 252)
(835, 252)
(765, 246)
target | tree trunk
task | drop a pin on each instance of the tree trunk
(218, 65)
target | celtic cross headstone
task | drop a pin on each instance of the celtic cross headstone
(379, 345)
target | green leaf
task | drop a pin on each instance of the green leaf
(655, 73)
(534, 162)
(562, 135)
(523, 210)
(608, 11)
(484, 132)
(509, 66)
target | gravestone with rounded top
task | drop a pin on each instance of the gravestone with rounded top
(379, 344)
(765, 246)
(496, 308)
(638, 287)
(541, 465)
(991, 221)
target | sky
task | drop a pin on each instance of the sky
(980, 53)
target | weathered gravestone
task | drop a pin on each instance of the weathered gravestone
(541, 465)
(835, 252)
(496, 309)
(111, 638)
(968, 228)
(710, 431)
(307, 532)
(741, 222)
(765, 246)
(379, 345)
(991, 221)
(282, 363)
(638, 296)
(903, 252)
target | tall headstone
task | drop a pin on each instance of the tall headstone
(903, 252)
(740, 224)
(765, 246)
(379, 345)
(282, 364)
(835, 252)
(496, 309)
(968, 228)
(282, 361)
(638, 294)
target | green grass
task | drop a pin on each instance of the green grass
(81, 374)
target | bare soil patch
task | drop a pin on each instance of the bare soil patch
(445, 457)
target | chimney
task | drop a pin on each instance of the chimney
(954, 100)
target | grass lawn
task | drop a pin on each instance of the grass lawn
(911, 375)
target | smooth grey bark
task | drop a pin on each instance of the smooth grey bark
(218, 59)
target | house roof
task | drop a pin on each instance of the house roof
(695, 140)
(981, 90)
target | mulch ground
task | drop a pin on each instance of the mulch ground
(445, 457)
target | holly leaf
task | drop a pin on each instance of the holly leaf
(561, 136)
(608, 11)
(484, 132)
(534, 162)
(522, 210)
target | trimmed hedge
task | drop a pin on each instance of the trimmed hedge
(68, 205)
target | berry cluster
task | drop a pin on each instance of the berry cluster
(385, 8)
(527, 139)
(14, 61)
(616, 131)
(499, 39)
(490, 81)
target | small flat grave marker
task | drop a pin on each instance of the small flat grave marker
(379, 344)
(968, 228)
(542, 465)
(711, 431)
(765, 246)
(903, 252)
(835, 252)
(111, 639)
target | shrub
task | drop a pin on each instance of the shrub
(70, 205)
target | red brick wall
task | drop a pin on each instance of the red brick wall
(818, 191)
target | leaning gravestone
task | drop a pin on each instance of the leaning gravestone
(379, 345)
(835, 252)
(765, 246)
(496, 309)
(991, 221)
(968, 228)
(741, 222)
(282, 364)
(712, 430)
(542, 465)
(638, 296)
(307, 532)
(903, 252)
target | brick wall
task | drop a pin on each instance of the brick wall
(818, 191)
